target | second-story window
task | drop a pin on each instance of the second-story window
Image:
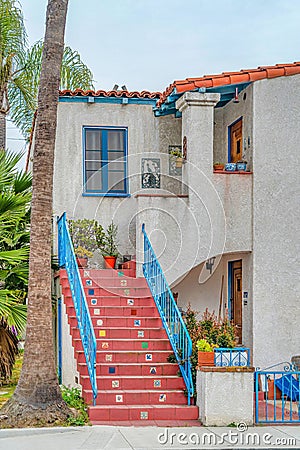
(105, 154)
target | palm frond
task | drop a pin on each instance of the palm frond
(9, 350)
(74, 73)
(14, 256)
(13, 312)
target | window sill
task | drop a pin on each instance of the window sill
(235, 172)
(100, 194)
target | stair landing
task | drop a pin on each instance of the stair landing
(136, 384)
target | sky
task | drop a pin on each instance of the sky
(147, 44)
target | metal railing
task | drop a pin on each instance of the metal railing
(67, 259)
(228, 357)
(171, 318)
(277, 394)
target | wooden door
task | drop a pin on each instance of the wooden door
(236, 303)
(236, 141)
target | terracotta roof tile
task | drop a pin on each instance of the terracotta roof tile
(101, 93)
(243, 76)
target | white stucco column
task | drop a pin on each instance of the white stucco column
(198, 126)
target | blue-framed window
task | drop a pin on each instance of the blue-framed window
(105, 160)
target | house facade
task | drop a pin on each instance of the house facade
(226, 240)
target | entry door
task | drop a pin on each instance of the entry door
(236, 300)
(236, 141)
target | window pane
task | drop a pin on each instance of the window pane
(93, 181)
(93, 139)
(93, 155)
(116, 165)
(115, 140)
(92, 165)
(116, 181)
(112, 155)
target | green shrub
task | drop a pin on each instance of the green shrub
(72, 397)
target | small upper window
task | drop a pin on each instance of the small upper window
(236, 140)
(105, 154)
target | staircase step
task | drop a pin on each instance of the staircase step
(126, 311)
(142, 413)
(106, 345)
(113, 300)
(126, 333)
(120, 356)
(95, 291)
(113, 321)
(123, 369)
(115, 281)
(127, 383)
(136, 397)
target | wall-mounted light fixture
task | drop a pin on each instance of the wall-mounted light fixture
(209, 264)
(236, 96)
(116, 87)
(124, 88)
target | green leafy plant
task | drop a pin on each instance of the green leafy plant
(204, 346)
(83, 237)
(107, 240)
(177, 153)
(72, 397)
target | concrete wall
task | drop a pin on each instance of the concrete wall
(226, 396)
(276, 218)
(228, 114)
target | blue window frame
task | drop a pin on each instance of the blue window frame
(105, 161)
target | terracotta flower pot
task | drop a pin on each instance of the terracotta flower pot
(178, 162)
(82, 262)
(219, 167)
(206, 358)
(271, 391)
(110, 262)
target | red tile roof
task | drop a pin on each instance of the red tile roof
(101, 93)
(244, 76)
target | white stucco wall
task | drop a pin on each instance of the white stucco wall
(276, 218)
(225, 397)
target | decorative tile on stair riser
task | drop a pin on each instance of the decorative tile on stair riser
(139, 311)
(142, 370)
(107, 273)
(138, 398)
(120, 282)
(113, 300)
(128, 357)
(125, 413)
(117, 290)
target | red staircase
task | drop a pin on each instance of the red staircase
(135, 382)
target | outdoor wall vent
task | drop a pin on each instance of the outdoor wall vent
(91, 99)
(125, 100)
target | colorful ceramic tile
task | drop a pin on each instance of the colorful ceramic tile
(88, 282)
(94, 302)
(102, 333)
(97, 312)
(127, 292)
(115, 383)
(144, 415)
(137, 323)
(91, 291)
(120, 274)
(140, 333)
(148, 357)
(157, 383)
(119, 398)
(86, 273)
(153, 370)
(111, 370)
(145, 345)
(108, 358)
(130, 302)
(123, 282)
(104, 345)
(133, 312)
(99, 322)
(162, 397)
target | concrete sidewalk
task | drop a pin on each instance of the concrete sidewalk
(109, 437)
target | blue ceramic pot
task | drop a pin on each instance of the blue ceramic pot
(241, 166)
(230, 167)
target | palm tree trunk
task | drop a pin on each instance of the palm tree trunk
(2, 130)
(37, 399)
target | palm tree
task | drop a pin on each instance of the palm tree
(37, 398)
(15, 196)
(20, 68)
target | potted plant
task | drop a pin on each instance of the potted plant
(83, 238)
(107, 243)
(206, 354)
(218, 167)
(177, 154)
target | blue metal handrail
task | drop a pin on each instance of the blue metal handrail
(171, 318)
(67, 259)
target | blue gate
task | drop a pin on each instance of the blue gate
(277, 394)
